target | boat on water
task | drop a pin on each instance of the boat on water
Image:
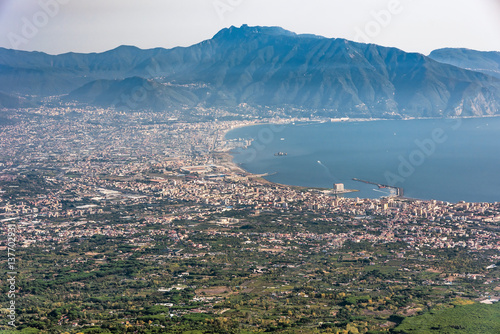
(280, 154)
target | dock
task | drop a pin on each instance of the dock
(399, 190)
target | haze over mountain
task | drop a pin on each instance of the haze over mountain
(485, 62)
(264, 67)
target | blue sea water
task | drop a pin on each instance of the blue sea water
(443, 159)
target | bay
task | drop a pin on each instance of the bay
(443, 159)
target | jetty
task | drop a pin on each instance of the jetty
(399, 190)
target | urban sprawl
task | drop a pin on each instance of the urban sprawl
(152, 181)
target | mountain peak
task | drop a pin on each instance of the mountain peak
(246, 31)
(124, 49)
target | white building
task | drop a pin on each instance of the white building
(338, 187)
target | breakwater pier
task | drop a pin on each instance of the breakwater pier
(399, 191)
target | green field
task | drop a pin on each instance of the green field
(471, 319)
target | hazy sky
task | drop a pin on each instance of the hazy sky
(58, 26)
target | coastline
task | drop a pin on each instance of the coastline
(228, 158)
(230, 154)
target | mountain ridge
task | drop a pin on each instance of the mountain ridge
(487, 62)
(264, 67)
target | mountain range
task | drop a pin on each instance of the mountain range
(261, 67)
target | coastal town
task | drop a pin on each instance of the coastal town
(164, 192)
